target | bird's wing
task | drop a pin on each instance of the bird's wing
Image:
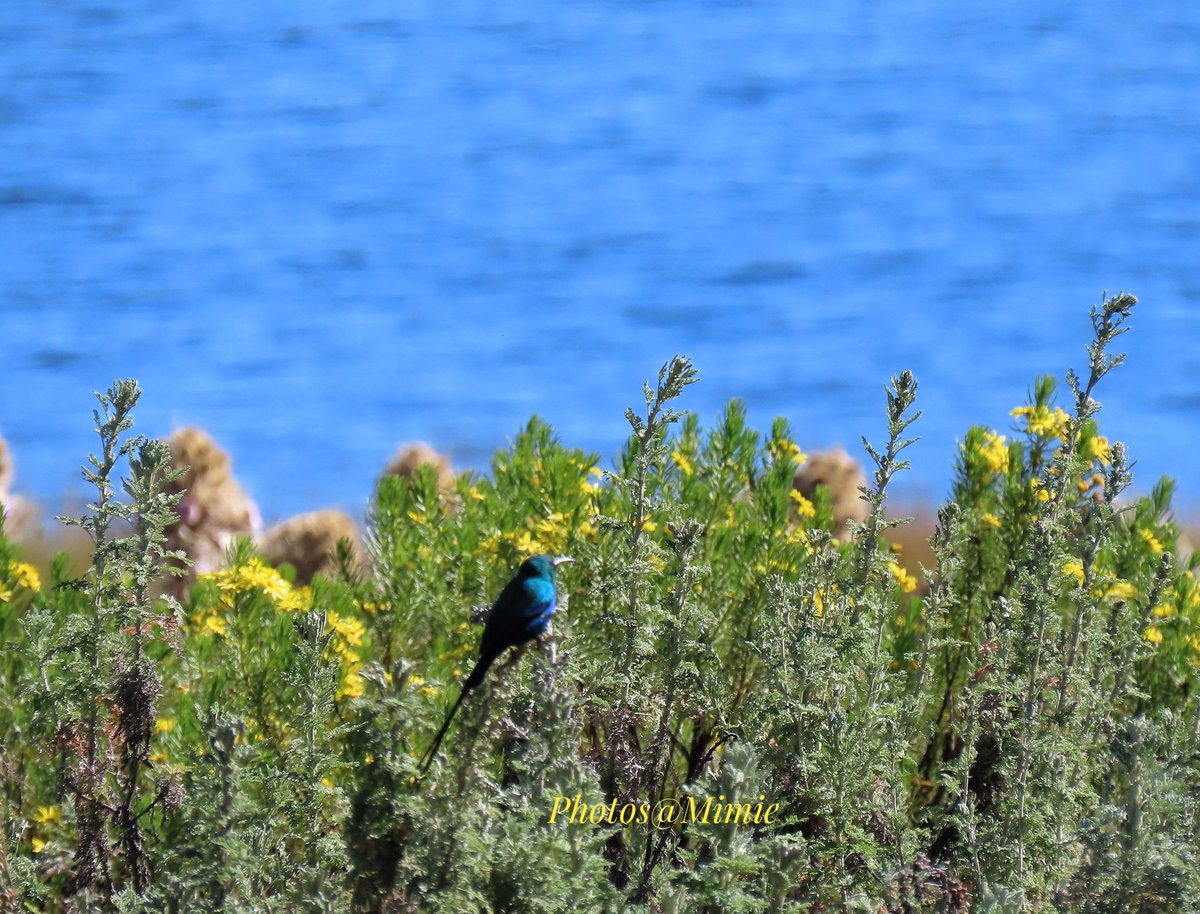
(521, 612)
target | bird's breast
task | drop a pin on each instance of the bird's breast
(540, 597)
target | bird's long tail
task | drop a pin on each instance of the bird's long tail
(477, 674)
(441, 734)
(472, 681)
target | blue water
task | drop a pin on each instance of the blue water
(320, 232)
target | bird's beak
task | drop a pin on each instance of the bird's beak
(561, 560)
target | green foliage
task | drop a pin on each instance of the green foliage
(88, 672)
(1016, 729)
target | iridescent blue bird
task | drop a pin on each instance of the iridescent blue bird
(521, 613)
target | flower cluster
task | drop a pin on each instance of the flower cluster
(907, 581)
(805, 509)
(1178, 611)
(348, 635)
(994, 452)
(256, 575)
(17, 577)
(548, 534)
(1096, 447)
(1043, 421)
(784, 448)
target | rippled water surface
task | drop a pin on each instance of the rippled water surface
(320, 232)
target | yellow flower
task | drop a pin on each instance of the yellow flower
(1042, 421)
(680, 459)
(212, 624)
(47, 815)
(786, 448)
(257, 575)
(1097, 448)
(525, 543)
(253, 575)
(349, 630)
(5, 593)
(1153, 634)
(353, 686)
(990, 519)
(38, 845)
(799, 539)
(551, 532)
(26, 576)
(1074, 569)
(417, 517)
(1162, 610)
(907, 582)
(994, 452)
(804, 508)
(296, 600)
(157, 757)
(164, 725)
(1120, 590)
(474, 494)
(649, 526)
(1151, 541)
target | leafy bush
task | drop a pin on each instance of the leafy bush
(1016, 729)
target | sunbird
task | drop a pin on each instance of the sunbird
(521, 613)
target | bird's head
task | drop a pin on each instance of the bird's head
(542, 566)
